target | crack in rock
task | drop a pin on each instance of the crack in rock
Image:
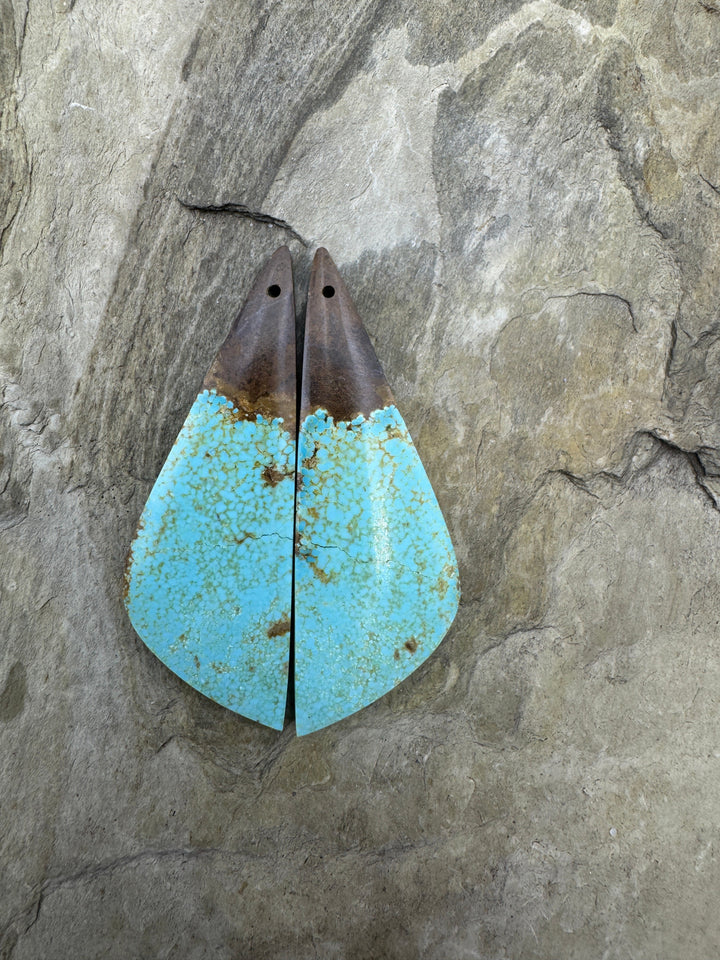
(240, 210)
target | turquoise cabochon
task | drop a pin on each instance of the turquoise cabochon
(210, 572)
(376, 579)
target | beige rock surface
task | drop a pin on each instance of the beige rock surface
(524, 199)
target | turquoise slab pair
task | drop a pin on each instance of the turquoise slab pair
(293, 525)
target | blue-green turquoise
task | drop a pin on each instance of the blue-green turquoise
(209, 583)
(376, 580)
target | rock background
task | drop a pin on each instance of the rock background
(524, 199)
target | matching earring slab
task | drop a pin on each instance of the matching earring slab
(376, 580)
(210, 574)
(259, 525)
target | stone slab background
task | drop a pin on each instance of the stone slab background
(524, 198)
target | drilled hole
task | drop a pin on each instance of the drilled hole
(328, 291)
(274, 290)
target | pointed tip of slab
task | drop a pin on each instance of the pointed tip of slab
(341, 372)
(323, 259)
(272, 289)
(281, 261)
(326, 282)
(255, 366)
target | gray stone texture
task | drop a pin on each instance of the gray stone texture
(524, 198)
